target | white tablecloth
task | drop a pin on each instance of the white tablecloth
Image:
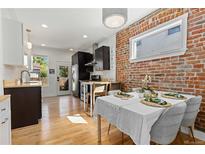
(131, 116)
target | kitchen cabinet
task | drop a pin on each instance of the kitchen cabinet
(12, 36)
(102, 58)
(25, 105)
(5, 120)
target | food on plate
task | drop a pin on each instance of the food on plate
(173, 95)
(156, 100)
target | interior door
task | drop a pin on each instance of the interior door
(63, 79)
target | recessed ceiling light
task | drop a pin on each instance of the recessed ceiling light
(85, 36)
(71, 49)
(43, 45)
(44, 26)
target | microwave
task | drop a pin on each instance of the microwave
(95, 77)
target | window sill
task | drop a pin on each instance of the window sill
(178, 53)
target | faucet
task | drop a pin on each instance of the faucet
(21, 79)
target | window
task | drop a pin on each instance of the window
(39, 67)
(174, 30)
(168, 39)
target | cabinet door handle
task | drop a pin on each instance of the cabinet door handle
(5, 120)
(4, 109)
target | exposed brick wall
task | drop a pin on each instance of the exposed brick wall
(184, 73)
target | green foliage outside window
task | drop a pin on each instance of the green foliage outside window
(43, 62)
(63, 71)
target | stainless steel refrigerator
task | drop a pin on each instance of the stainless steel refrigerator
(79, 70)
(75, 79)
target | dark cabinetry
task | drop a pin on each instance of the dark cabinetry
(25, 105)
(102, 58)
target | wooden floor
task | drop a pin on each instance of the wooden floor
(55, 128)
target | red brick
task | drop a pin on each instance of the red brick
(184, 73)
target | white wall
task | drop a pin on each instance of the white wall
(109, 74)
(1, 56)
(54, 55)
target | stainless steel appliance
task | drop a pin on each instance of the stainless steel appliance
(80, 70)
(75, 79)
(95, 77)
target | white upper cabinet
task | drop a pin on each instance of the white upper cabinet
(12, 42)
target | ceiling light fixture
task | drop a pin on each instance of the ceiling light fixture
(44, 26)
(71, 49)
(85, 36)
(29, 44)
(114, 17)
(43, 45)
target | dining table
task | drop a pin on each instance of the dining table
(131, 116)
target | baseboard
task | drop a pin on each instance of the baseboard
(198, 134)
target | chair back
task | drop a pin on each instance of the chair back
(101, 87)
(165, 129)
(191, 112)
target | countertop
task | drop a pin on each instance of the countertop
(93, 82)
(90, 81)
(9, 84)
(3, 97)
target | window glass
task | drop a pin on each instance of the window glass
(165, 40)
(39, 68)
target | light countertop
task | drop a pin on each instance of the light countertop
(94, 82)
(3, 97)
(89, 81)
(9, 84)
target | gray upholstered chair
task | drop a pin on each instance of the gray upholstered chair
(191, 112)
(165, 129)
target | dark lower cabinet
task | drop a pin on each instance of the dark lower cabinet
(25, 106)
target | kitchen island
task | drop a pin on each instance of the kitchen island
(25, 102)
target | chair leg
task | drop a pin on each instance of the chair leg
(122, 138)
(192, 133)
(108, 131)
(179, 137)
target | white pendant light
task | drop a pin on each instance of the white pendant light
(29, 44)
(114, 17)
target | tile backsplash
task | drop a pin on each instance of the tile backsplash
(12, 72)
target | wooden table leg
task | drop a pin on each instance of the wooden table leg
(91, 100)
(99, 128)
(84, 96)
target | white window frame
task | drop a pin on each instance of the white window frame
(181, 20)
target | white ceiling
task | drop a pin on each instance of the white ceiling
(67, 26)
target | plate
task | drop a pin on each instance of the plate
(123, 95)
(158, 103)
(174, 96)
